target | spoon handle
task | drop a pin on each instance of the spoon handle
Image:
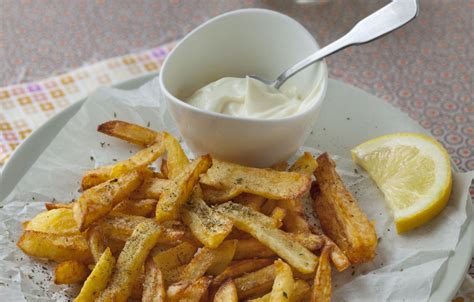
(388, 18)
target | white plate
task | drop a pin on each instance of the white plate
(348, 117)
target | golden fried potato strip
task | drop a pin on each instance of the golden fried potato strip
(180, 189)
(252, 201)
(154, 284)
(206, 224)
(98, 279)
(222, 258)
(322, 281)
(151, 187)
(70, 272)
(189, 291)
(176, 160)
(96, 242)
(131, 133)
(98, 201)
(278, 241)
(264, 182)
(256, 283)
(57, 205)
(130, 261)
(56, 247)
(138, 161)
(282, 289)
(56, 221)
(167, 261)
(305, 164)
(341, 218)
(143, 207)
(301, 292)
(226, 293)
(240, 268)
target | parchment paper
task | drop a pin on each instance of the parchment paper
(405, 267)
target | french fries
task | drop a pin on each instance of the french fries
(206, 224)
(177, 160)
(70, 272)
(223, 256)
(240, 268)
(98, 201)
(340, 216)
(138, 161)
(180, 189)
(98, 279)
(284, 283)
(144, 207)
(131, 133)
(322, 281)
(227, 292)
(256, 283)
(55, 247)
(201, 230)
(131, 259)
(189, 291)
(278, 241)
(267, 183)
(154, 285)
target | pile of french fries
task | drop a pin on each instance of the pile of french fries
(201, 230)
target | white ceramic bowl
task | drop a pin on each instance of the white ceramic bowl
(239, 43)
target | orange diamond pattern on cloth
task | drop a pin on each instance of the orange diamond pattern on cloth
(25, 107)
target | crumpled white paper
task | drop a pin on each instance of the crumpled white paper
(405, 266)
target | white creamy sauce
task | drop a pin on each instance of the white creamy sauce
(247, 97)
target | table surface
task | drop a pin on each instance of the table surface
(424, 68)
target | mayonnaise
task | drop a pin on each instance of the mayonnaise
(247, 97)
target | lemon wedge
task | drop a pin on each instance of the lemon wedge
(414, 173)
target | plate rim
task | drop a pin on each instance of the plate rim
(68, 112)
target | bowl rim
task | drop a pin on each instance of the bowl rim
(183, 104)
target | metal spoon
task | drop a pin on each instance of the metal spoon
(383, 21)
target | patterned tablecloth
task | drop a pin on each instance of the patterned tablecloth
(425, 68)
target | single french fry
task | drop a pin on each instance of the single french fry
(301, 291)
(227, 292)
(295, 223)
(284, 283)
(252, 201)
(151, 188)
(130, 261)
(96, 242)
(240, 268)
(57, 205)
(177, 160)
(206, 224)
(268, 207)
(264, 182)
(56, 247)
(70, 272)
(207, 258)
(119, 227)
(98, 201)
(305, 164)
(256, 283)
(215, 196)
(55, 221)
(167, 261)
(98, 278)
(144, 207)
(164, 168)
(278, 241)
(131, 133)
(338, 258)
(341, 218)
(251, 248)
(180, 189)
(189, 291)
(322, 281)
(223, 256)
(278, 214)
(154, 284)
(138, 161)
